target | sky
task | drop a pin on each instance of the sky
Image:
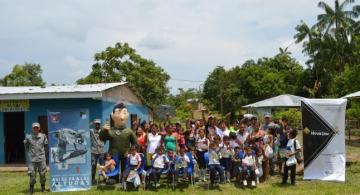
(187, 38)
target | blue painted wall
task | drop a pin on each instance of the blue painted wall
(97, 109)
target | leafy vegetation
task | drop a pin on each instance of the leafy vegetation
(24, 75)
(122, 63)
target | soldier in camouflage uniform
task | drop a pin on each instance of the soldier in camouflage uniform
(35, 146)
(97, 148)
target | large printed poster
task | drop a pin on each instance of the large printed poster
(69, 150)
(323, 122)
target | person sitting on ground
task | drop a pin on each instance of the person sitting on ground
(109, 165)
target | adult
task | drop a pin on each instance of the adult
(35, 146)
(268, 122)
(141, 138)
(222, 130)
(251, 122)
(97, 148)
(169, 139)
(120, 138)
(153, 142)
(242, 135)
(211, 127)
(235, 126)
(256, 138)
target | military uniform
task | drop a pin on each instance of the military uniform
(35, 146)
(97, 150)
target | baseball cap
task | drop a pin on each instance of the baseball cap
(267, 115)
(97, 121)
(35, 125)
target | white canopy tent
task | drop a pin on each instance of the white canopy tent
(281, 101)
(352, 95)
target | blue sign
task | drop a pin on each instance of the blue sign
(69, 150)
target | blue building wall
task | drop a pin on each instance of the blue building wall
(97, 109)
(142, 111)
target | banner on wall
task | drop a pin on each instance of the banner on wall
(69, 150)
(323, 122)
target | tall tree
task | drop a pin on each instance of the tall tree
(329, 43)
(121, 63)
(24, 75)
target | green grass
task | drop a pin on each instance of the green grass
(16, 183)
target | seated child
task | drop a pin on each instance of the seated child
(214, 163)
(172, 157)
(134, 163)
(236, 162)
(182, 162)
(249, 166)
(109, 165)
(159, 162)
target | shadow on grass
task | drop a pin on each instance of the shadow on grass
(280, 185)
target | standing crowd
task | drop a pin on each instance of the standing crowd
(246, 150)
(211, 150)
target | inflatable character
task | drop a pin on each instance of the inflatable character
(120, 138)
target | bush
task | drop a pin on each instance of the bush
(293, 115)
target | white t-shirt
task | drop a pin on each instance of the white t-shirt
(290, 145)
(154, 142)
(222, 133)
(242, 137)
(160, 160)
(134, 159)
(249, 160)
(182, 161)
(202, 144)
(214, 157)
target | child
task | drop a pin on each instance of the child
(134, 163)
(293, 147)
(35, 145)
(182, 163)
(202, 146)
(249, 166)
(260, 163)
(172, 157)
(159, 161)
(226, 154)
(109, 165)
(214, 163)
(236, 162)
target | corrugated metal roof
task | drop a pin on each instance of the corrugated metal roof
(65, 91)
(278, 101)
(353, 95)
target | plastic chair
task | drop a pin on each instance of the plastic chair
(115, 172)
(206, 157)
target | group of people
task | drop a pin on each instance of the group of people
(246, 150)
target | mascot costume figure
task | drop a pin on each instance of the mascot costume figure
(120, 138)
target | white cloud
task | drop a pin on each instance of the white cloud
(188, 38)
